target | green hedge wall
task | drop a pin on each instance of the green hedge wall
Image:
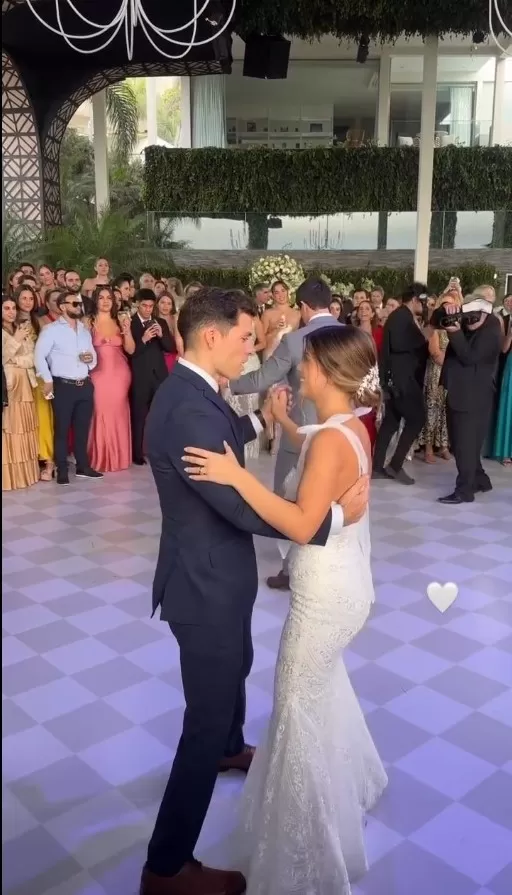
(393, 281)
(350, 18)
(322, 181)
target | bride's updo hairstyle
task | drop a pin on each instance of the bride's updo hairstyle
(348, 359)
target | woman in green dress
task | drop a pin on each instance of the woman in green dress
(502, 447)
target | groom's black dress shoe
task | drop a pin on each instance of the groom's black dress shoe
(240, 762)
(281, 581)
(454, 499)
(193, 879)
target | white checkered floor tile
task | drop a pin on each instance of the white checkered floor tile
(92, 702)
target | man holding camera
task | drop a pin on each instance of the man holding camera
(468, 375)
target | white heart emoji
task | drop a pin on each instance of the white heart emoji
(442, 595)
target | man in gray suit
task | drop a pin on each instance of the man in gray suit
(313, 297)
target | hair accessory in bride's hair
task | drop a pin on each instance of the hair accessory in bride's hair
(370, 382)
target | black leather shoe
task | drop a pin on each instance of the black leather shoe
(62, 477)
(139, 461)
(379, 473)
(399, 475)
(88, 474)
(483, 489)
(454, 499)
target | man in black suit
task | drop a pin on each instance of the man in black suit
(152, 339)
(402, 369)
(206, 580)
(468, 375)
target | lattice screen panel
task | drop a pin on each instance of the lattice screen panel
(21, 161)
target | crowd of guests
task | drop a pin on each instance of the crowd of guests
(420, 350)
(82, 360)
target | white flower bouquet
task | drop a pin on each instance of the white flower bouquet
(272, 268)
(343, 289)
(367, 284)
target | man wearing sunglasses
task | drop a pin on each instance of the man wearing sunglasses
(64, 357)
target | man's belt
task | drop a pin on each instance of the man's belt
(78, 382)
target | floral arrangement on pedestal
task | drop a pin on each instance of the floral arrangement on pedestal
(272, 268)
(367, 284)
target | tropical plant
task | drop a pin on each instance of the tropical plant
(17, 245)
(168, 112)
(122, 239)
(123, 119)
(77, 179)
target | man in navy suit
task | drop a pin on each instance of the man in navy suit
(206, 580)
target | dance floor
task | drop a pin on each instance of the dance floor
(92, 704)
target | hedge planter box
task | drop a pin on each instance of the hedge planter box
(323, 181)
(393, 281)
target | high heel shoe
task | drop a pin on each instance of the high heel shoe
(48, 473)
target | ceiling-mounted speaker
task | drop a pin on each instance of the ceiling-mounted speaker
(266, 57)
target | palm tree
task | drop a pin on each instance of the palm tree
(123, 119)
(121, 238)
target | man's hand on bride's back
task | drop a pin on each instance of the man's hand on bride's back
(355, 500)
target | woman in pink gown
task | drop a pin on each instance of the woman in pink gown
(110, 442)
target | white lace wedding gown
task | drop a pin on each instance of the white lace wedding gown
(318, 771)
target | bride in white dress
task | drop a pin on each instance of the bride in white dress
(317, 772)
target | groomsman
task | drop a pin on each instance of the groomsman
(314, 298)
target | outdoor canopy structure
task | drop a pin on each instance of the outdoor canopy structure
(44, 80)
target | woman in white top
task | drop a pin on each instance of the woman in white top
(317, 771)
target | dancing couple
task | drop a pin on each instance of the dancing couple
(317, 772)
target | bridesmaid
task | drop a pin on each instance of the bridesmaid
(166, 309)
(110, 433)
(20, 466)
(26, 304)
(102, 278)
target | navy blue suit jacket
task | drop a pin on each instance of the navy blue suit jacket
(206, 569)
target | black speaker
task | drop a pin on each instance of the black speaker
(266, 57)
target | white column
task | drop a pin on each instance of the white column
(99, 124)
(186, 114)
(384, 100)
(426, 159)
(151, 118)
(498, 105)
(208, 111)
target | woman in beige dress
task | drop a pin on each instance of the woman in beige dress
(280, 319)
(20, 446)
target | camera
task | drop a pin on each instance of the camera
(470, 314)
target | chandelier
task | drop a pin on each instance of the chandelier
(132, 15)
(494, 13)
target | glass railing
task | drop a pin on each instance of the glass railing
(469, 132)
(337, 233)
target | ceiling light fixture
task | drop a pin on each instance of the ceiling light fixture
(494, 13)
(132, 15)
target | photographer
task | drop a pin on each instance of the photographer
(402, 369)
(468, 375)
